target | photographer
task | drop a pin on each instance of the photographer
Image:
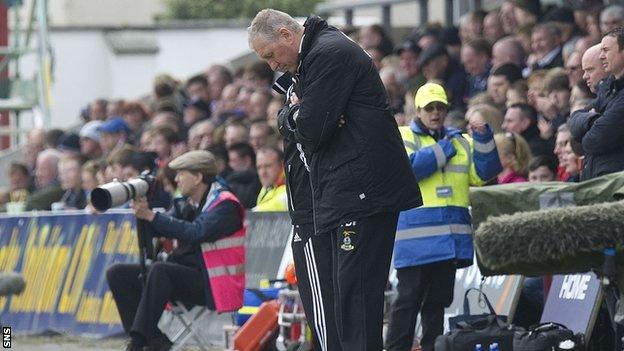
(206, 267)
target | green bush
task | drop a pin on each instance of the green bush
(219, 9)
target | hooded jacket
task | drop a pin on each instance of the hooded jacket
(360, 168)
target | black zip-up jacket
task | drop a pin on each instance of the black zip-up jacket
(297, 184)
(361, 168)
(297, 175)
(602, 132)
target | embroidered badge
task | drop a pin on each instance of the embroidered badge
(346, 240)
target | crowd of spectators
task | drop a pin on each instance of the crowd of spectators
(523, 68)
(231, 114)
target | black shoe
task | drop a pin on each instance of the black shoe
(161, 343)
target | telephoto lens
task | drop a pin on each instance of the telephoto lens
(117, 193)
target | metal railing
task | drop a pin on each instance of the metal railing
(348, 8)
(19, 93)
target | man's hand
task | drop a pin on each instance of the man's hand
(294, 100)
(545, 128)
(141, 209)
(285, 122)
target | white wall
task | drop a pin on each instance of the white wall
(99, 12)
(86, 68)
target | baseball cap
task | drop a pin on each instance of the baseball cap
(114, 125)
(428, 93)
(90, 130)
(70, 142)
(409, 45)
(196, 160)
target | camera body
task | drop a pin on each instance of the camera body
(117, 193)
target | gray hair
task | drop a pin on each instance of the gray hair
(563, 128)
(514, 48)
(52, 154)
(612, 11)
(49, 158)
(470, 17)
(267, 23)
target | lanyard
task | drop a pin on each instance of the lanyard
(213, 194)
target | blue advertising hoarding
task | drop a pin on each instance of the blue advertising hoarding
(63, 259)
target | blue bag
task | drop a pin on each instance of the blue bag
(252, 300)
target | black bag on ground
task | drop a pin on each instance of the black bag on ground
(547, 337)
(468, 317)
(469, 330)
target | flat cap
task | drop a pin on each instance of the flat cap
(196, 160)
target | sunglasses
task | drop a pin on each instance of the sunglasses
(435, 106)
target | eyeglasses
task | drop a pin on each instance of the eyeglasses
(435, 106)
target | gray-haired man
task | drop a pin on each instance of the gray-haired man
(359, 172)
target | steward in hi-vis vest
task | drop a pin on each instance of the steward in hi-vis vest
(436, 238)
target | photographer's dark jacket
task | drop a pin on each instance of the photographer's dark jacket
(361, 168)
(212, 237)
(602, 132)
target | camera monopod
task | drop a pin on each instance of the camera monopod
(146, 248)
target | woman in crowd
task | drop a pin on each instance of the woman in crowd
(484, 113)
(514, 154)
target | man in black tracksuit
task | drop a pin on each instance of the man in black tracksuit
(359, 172)
(314, 275)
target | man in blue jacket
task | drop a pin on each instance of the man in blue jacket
(359, 173)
